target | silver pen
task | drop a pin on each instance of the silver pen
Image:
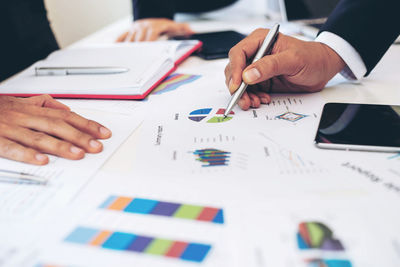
(265, 48)
(15, 177)
(63, 71)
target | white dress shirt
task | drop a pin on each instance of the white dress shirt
(355, 68)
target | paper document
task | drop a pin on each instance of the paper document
(66, 177)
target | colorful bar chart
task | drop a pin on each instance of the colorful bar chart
(329, 263)
(316, 235)
(175, 81)
(162, 208)
(211, 157)
(128, 242)
(201, 114)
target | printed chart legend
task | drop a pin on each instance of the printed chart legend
(129, 242)
(162, 208)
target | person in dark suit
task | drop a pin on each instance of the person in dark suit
(353, 40)
(154, 18)
(26, 35)
(32, 127)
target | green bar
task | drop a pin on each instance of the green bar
(188, 212)
(159, 247)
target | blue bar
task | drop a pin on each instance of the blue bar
(195, 252)
(119, 241)
(142, 206)
(338, 263)
(108, 202)
(82, 235)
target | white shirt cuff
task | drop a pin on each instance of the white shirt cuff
(355, 68)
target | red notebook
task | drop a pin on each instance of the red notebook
(146, 64)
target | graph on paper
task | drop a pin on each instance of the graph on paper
(133, 243)
(291, 116)
(173, 82)
(162, 208)
(318, 236)
(288, 108)
(211, 157)
(210, 116)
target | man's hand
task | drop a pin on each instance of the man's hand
(30, 127)
(152, 29)
(294, 66)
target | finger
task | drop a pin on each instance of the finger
(82, 124)
(140, 34)
(14, 151)
(131, 37)
(60, 129)
(254, 100)
(183, 29)
(152, 35)
(122, 37)
(272, 65)
(44, 101)
(264, 97)
(41, 142)
(261, 91)
(244, 102)
(241, 53)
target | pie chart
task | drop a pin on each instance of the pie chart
(208, 115)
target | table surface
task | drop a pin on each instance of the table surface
(248, 196)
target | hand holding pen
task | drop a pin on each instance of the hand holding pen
(293, 66)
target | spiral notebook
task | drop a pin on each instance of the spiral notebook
(147, 64)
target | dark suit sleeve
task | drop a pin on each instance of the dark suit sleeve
(370, 26)
(26, 36)
(167, 8)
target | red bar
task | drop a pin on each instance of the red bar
(208, 214)
(177, 249)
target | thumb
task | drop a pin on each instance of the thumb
(270, 66)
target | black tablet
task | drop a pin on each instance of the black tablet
(359, 127)
(215, 44)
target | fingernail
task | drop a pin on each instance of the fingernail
(104, 131)
(264, 100)
(41, 157)
(252, 75)
(241, 103)
(75, 150)
(94, 144)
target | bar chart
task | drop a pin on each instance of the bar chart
(162, 208)
(129, 242)
(211, 157)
